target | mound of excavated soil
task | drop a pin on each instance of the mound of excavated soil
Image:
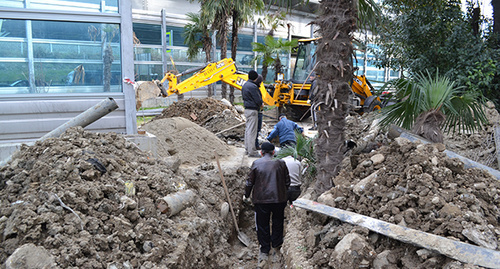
(90, 199)
(480, 145)
(193, 109)
(186, 140)
(212, 114)
(413, 185)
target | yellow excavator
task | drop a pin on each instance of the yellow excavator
(290, 96)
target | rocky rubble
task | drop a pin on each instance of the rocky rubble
(90, 200)
(413, 185)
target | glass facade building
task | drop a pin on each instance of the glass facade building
(39, 55)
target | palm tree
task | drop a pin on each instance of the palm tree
(270, 53)
(242, 12)
(430, 104)
(197, 37)
(272, 21)
(337, 21)
(220, 11)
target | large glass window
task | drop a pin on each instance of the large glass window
(106, 6)
(68, 57)
(148, 72)
(147, 34)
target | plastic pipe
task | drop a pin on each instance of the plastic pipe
(87, 117)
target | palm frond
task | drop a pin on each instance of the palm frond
(464, 112)
(369, 15)
(434, 93)
(303, 150)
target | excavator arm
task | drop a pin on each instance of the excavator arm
(223, 70)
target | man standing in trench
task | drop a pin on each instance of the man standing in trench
(252, 101)
(269, 180)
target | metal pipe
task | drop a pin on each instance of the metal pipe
(84, 119)
(175, 202)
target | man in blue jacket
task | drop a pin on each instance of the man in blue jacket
(285, 130)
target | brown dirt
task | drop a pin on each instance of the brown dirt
(478, 146)
(110, 227)
(185, 140)
(417, 186)
(210, 113)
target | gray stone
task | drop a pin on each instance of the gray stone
(484, 239)
(381, 260)
(30, 256)
(360, 186)
(224, 210)
(172, 162)
(377, 159)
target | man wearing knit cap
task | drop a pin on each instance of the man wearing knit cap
(268, 182)
(252, 101)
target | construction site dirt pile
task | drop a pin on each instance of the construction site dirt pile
(409, 184)
(90, 200)
(185, 140)
(210, 113)
(478, 146)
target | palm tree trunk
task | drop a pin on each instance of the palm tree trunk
(264, 71)
(337, 22)
(207, 48)
(234, 46)
(223, 50)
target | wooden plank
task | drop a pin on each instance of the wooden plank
(457, 250)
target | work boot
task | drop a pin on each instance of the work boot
(262, 261)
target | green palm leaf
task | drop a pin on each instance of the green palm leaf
(427, 93)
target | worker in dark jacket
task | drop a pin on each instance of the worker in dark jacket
(269, 180)
(285, 130)
(252, 101)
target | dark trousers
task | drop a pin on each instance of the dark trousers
(293, 193)
(264, 213)
(259, 127)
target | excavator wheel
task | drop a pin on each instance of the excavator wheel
(296, 113)
(372, 104)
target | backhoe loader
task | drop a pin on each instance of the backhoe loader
(290, 96)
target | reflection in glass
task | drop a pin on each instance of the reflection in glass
(105, 6)
(68, 57)
(148, 72)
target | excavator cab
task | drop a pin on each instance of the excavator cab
(304, 73)
(305, 61)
